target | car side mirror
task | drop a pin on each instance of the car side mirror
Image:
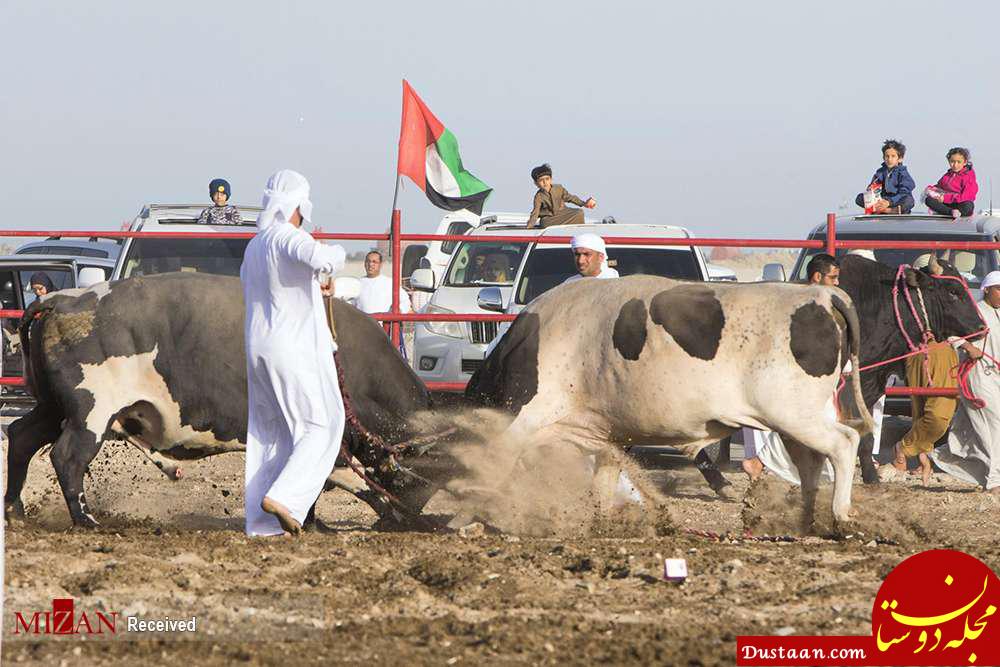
(773, 273)
(90, 276)
(490, 298)
(423, 280)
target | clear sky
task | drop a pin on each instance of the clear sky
(734, 119)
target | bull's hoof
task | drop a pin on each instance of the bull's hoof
(869, 475)
(13, 511)
(725, 492)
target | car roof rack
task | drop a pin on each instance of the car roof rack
(117, 240)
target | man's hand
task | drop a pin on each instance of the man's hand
(881, 205)
(974, 352)
(326, 289)
(591, 203)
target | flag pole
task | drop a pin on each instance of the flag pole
(395, 246)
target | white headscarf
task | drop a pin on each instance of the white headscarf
(286, 190)
(992, 279)
(590, 242)
(863, 252)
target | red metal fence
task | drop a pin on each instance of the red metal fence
(831, 244)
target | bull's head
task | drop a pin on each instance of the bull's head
(951, 310)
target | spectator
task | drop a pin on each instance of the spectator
(221, 213)
(41, 284)
(955, 192)
(973, 450)
(591, 259)
(549, 207)
(496, 269)
(892, 181)
(376, 289)
(931, 414)
(823, 269)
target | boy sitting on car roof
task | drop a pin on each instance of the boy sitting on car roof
(221, 213)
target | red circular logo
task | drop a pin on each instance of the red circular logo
(938, 607)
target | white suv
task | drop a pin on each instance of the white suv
(452, 351)
(146, 256)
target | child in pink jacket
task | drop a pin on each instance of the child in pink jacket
(955, 192)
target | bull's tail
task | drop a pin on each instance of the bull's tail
(864, 424)
(34, 376)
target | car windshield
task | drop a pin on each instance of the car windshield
(487, 263)
(548, 267)
(972, 264)
(148, 256)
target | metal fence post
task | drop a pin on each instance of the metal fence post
(397, 271)
(831, 234)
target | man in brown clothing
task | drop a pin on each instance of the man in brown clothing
(931, 414)
(549, 207)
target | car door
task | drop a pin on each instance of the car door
(15, 294)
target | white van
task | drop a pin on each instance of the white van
(504, 277)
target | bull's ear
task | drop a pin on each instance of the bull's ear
(912, 278)
(934, 266)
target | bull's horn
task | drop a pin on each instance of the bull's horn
(934, 266)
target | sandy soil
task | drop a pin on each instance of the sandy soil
(357, 595)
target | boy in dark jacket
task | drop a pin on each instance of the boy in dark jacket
(894, 181)
(549, 206)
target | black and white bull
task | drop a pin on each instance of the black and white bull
(161, 359)
(663, 362)
(950, 312)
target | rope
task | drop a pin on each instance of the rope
(926, 335)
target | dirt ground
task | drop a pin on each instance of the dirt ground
(175, 549)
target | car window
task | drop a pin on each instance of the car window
(60, 280)
(484, 264)
(8, 295)
(457, 227)
(547, 267)
(149, 256)
(972, 264)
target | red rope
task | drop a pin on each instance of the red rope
(960, 372)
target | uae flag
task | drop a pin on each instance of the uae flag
(428, 154)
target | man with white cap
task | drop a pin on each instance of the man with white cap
(296, 413)
(591, 258)
(973, 450)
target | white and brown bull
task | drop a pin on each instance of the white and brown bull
(656, 361)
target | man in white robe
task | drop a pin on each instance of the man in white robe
(296, 413)
(591, 257)
(376, 289)
(973, 450)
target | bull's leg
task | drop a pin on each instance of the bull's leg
(840, 444)
(809, 464)
(71, 455)
(869, 473)
(25, 437)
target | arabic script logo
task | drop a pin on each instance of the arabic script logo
(937, 607)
